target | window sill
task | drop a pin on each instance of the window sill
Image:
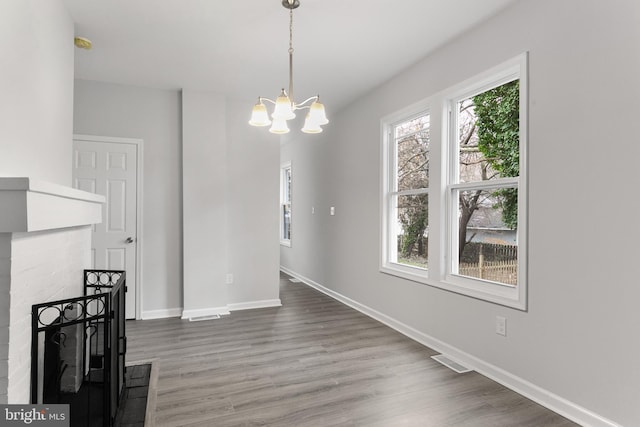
(415, 274)
(507, 296)
(286, 243)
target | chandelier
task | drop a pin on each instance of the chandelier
(285, 106)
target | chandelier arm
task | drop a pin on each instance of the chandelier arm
(301, 105)
(268, 99)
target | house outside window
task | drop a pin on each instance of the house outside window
(285, 204)
(454, 188)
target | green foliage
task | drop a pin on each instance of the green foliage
(414, 223)
(498, 125)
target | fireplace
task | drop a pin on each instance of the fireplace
(45, 245)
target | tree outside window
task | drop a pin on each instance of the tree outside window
(411, 192)
(488, 151)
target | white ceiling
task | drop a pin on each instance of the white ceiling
(343, 48)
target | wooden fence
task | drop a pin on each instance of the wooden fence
(496, 271)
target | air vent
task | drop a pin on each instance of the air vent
(201, 318)
(454, 366)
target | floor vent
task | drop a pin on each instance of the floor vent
(454, 366)
(201, 318)
(292, 280)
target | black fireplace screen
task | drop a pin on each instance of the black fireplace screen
(78, 350)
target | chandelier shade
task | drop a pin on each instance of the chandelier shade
(279, 126)
(284, 105)
(259, 115)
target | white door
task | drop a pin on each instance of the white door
(110, 169)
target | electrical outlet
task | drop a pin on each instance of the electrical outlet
(313, 210)
(501, 326)
(332, 211)
(229, 278)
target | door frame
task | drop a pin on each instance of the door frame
(139, 144)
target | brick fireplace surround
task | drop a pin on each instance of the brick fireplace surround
(45, 244)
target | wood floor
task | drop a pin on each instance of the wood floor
(314, 362)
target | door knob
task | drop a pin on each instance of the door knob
(129, 240)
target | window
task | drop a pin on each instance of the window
(406, 198)
(455, 206)
(285, 204)
(486, 147)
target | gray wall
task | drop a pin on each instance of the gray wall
(579, 339)
(253, 206)
(204, 210)
(153, 115)
(36, 87)
(236, 177)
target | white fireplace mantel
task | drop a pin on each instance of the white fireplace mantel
(28, 205)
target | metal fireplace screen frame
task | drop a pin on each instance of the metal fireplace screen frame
(78, 348)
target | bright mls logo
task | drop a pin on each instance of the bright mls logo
(35, 415)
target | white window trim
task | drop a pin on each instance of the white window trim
(387, 158)
(441, 218)
(511, 296)
(283, 168)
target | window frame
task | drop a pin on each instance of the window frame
(285, 197)
(512, 296)
(443, 218)
(390, 192)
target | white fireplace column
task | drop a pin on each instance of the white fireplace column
(45, 244)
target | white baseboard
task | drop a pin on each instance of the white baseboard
(161, 314)
(539, 395)
(216, 311)
(255, 304)
(203, 312)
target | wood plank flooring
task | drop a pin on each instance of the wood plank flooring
(314, 362)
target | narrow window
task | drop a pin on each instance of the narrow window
(285, 204)
(406, 200)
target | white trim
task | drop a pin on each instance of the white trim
(214, 311)
(389, 192)
(161, 314)
(139, 143)
(250, 305)
(549, 400)
(508, 71)
(201, 312)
